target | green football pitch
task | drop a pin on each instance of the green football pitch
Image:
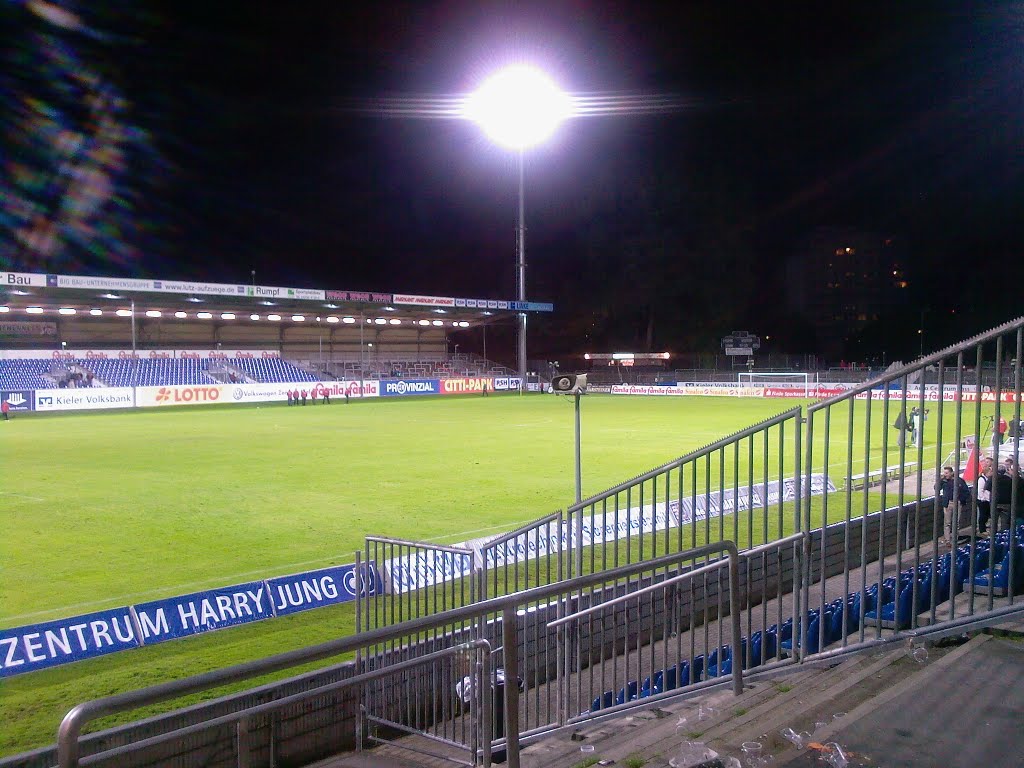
(107, 509)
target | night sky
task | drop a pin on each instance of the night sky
(251, 148)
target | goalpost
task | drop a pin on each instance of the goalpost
(802, 381)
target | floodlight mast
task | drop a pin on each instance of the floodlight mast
(518, 108)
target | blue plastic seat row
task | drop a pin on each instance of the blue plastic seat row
(895, 604)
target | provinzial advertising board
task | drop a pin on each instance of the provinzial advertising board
(404, 387)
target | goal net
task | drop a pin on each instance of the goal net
(804, 382)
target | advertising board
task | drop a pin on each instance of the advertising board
(17, 399)
(403, 387)
(38, 646)
(87, 399)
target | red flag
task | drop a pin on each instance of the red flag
(972, 469)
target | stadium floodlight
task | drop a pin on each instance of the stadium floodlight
(4, 309)
(463, 324)
(348, 320)
(519, 107)
(181, 315)
(424, 322)
(153, 313)
(298, 318)
(227, 315)
(332, 319)
(204, 315)
(95, 312)
(380, 321)
(274, 318)
(123, 313)
(437, 322)
(394, 321)
(34, 310)
(67, 311)
(254, 317)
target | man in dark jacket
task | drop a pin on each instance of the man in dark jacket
(955, 503)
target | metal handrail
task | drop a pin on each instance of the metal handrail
(678, 462)
(257, 709)
(732, 559)
(920, 364)
(71, 726)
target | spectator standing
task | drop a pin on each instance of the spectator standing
(5, 408)
(327, 397)
(954, 500)
(901, 425)
(289, 397)
(304, 393)
(984, 501)
(1001, 429)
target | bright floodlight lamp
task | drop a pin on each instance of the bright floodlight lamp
(519, 107)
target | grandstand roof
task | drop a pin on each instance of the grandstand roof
(51, 293)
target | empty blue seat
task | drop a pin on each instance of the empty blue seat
(603, 701)
(629, 691)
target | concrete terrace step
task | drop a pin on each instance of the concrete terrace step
(796, 699)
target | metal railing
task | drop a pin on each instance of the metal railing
(835, 525)
(923, 567)
(506, 618)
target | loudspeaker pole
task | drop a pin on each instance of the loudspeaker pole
(579, 474)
